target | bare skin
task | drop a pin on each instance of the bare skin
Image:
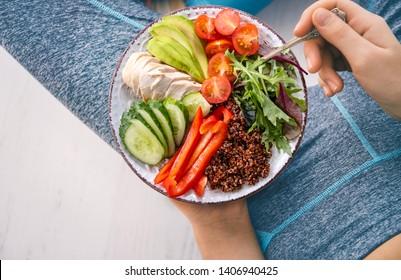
(389, 250)
(224, 231)
(364, 41)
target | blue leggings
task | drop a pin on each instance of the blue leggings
(340, 197)
(72, 47)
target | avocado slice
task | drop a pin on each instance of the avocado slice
(174, 54)
(187, 27)
(167, 29)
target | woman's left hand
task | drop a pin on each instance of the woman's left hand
(222, 231)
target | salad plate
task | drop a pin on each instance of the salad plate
(121, 99)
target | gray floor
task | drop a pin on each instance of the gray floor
(65, 194)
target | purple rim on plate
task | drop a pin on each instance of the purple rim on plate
(120, 101)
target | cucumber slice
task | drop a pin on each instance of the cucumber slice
(192, 101)
(148, 115)
(142, 143)
(165, 122)
(179, 118)
(126, 120)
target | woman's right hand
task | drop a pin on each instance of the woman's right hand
(364, 45)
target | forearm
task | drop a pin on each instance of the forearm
(389, 250)
(229, 240)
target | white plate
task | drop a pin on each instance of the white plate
(120, 100)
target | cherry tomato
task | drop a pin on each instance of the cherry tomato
(227, 21)
(217, 46)
(205, 29)
(221, 65)
(245, 39)
(216, 89)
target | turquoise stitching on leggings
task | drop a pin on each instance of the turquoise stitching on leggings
(266, 237)
(354, 126)
(115, 14)
(349, 118)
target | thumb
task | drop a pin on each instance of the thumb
(337, 32)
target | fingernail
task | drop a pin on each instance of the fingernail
(326, 90)
(323, 17)
(332, 86)
(308, 63)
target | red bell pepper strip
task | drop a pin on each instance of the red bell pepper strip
(191, 140)
(200, 186)
(169, 183)
(197, 170)
(207, 123)
(165, 170)
(203, 142)
(222, 113)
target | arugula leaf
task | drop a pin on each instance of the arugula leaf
(273, 113)
(262, 81)
(280, 141)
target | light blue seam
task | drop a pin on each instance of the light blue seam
(349, 118)
(266, 237)
(354, 126)
(115, 14)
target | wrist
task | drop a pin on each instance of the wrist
(223, 217)
(233, 238)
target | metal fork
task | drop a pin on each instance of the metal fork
(296, 40)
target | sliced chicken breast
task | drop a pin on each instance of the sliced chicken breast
(179, 88)
(149, 78)
(130, 69)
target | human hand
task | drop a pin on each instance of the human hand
(222, 231)
(365, 45)
(206, 215)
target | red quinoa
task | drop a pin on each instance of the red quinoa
(241, 159)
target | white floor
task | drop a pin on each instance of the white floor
(65, 194)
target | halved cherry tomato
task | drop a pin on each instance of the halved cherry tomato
(245, 39)
(217, 46)
(216, 89)
(227, 21)
(205, 29)
(221, 65)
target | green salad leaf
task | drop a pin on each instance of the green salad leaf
(258, 86)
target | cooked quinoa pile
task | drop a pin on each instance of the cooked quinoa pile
(241, 159)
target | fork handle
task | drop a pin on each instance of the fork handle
(296, 40)
(313, 33)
